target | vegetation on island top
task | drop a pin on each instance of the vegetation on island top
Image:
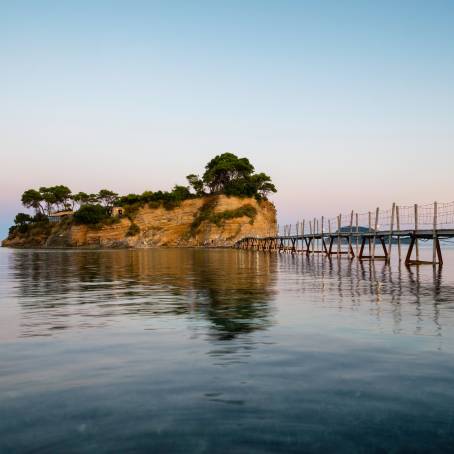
(225, 174)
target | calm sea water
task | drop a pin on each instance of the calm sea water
(223, 351)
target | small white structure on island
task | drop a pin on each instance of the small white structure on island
(59, 215)
(117, 212)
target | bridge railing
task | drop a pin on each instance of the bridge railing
(396, 218)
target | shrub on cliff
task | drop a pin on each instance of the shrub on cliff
(207, 213)
(244, 211)
(133, 230)
(91, 214)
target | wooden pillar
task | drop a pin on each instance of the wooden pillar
(399, 248)
(434, 234)
(375, 232)
(416, 228)
(302, 236)
(391, 227)
(317, 232)
(357, 233)
(339, 222)
(330, 239)
(313, 237)
(321, 233)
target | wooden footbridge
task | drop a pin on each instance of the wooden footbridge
(367, 236)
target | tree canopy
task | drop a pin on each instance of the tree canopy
(231, 175)
(225, 169)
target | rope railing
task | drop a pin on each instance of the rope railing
(395, 219)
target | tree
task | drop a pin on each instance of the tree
(32, 198)
(21, 221)
(81, 198)
(90, 214)
(59, 196)
(180, 193)
(93, 199)
(196, 183)
(62, 196)
(48, 197)
(261, 184)
(107, 197)
(224, 168)
(22, 218)
(130, 199)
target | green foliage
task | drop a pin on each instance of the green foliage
(133, 230)
(246, 210)
(22, 218)
(23, 228)
(12, 230)
(132, 202)
(81, 198)
(153, 204)
(196, 183)
(32, 199)
(180, 193)
(206, 213)
(24, 223)
(130, 199)
(225, 168)
(59, 195)
(262, 185)
(258, 185)
(131, 210)
(40, 218)
(111, 220)
(233, 176)
(90, 214)
(107, 197)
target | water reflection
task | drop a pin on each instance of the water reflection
(411, 300)
(58, 290)
(225, 293)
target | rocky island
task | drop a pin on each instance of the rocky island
(227, 203)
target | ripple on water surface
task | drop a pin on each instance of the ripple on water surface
(213, 350)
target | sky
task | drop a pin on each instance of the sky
(345, 104)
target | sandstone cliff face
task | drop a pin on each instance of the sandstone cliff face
(158, 227)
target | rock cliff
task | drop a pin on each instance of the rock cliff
(212, 221)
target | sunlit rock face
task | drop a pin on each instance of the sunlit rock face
(177, 227)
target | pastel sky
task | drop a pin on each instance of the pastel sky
(346, 104)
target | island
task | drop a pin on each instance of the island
(228, 202)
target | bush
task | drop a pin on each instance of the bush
(153, 204)
(131, 210)
(246, 210)
(206, 213)
(12, 230)
(22, 219)
(40, 217)
(90, 214)
(133, 230)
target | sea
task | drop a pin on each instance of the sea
(222, 351)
